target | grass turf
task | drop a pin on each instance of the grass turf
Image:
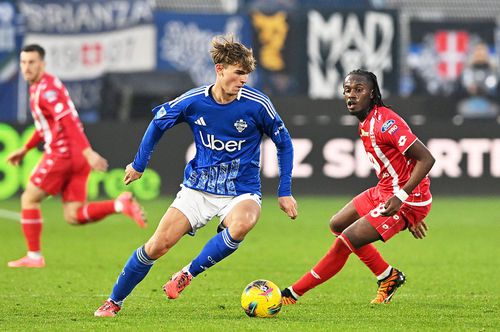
(452, 275)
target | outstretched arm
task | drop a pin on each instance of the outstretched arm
(17, 156)
(285, 163)
(424, 162)
(151, 137)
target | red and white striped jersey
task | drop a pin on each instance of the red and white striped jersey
(50, 103)
(386, 137)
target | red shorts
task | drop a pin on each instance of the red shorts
(67, 176)
(370, 204)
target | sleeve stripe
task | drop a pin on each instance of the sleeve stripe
(269, 108)
(260, 97)
(409, 145)
(183, 97)
(62, 115)
(187, 94)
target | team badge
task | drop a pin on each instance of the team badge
(240, 125)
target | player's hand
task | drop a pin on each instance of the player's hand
(419, 230)
(17, 156)
(289, 205)
(131, 174)
(95, 160)
(392, 206)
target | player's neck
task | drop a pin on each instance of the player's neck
(37, 79)
(220, 96)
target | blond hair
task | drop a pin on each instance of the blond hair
(226, 51)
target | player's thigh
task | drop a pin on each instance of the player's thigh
(242, 218)
(344, 218)
(32, 196)
(361, 232)
(50, 174)
(75, 186)
(172, 227)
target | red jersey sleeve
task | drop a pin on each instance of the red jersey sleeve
(398, 133)
(34, 140)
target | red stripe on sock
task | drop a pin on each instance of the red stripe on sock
(326, 268)
(32, 224)
(95, 211)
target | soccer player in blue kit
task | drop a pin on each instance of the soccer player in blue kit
(228, 120)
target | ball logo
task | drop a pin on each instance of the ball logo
(387, 125)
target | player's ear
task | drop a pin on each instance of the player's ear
(218, 68)
(371, 94)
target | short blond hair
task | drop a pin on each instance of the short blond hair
(226, 51)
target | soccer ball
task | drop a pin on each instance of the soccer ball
(261, 298)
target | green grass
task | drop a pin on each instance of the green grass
(453, 274)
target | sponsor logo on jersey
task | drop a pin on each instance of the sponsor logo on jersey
(387, 125)
(364, 133)
(212, 142)
(240, 125)
(201, 122)
(393, 129)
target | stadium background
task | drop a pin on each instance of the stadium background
(120, 58)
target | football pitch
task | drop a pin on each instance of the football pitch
(453, 281)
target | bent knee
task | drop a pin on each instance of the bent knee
(240, 228)
(335, 226)
(155, 249)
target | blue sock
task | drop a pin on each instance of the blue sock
(136, 268)
(216, 249)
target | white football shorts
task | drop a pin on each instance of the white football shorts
(200, 207)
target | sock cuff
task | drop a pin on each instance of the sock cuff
(143, 257)
(346, 241)
(31, 216)
(228, 240)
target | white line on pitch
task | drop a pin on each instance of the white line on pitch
(6, 214)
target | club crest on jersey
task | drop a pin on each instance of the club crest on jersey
(387, 125)
(240, 125)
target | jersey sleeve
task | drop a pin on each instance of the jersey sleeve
(168, 115)
(275, 128)
(398, 133)
(55, 100)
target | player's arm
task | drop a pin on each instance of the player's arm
(17, 156)
(134, 170)
(80, 142)
(285, 163)
(424, 162)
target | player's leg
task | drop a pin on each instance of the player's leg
(171, 228)
(368, 254)
(360, 231)
(31, 224)
(79, 212)
(240, 215)
(239, 221)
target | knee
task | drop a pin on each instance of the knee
(156, 248)
(70, 217)
(28, 201)
(335, 226)
(240, 228)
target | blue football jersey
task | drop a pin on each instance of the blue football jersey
(227, 138)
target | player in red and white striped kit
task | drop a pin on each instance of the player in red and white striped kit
(66, 163)
(400, 200)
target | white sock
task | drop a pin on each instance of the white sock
(385, 274)
(118, 206)
(295, 295)
(34, 254)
